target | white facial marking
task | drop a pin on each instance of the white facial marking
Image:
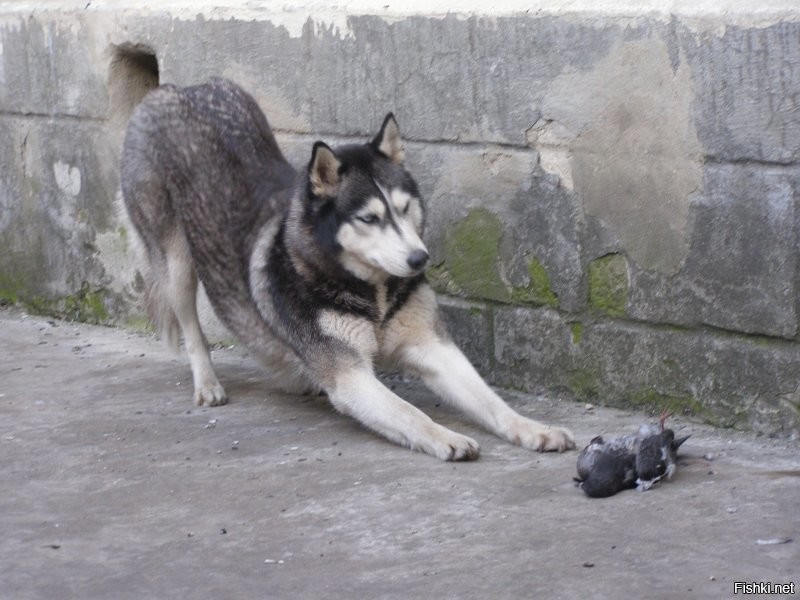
(400, 201)
(372, 252)
(374, 206)
(402, 205)
(386, 193)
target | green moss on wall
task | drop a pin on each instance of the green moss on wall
(139, 323)
(472, 256)
(471, 266)
(440, 279)
(10, 289)
(86, 305)
(608, 284)
(587, 385)
(584, 384)
(577, 332)
(650, 399)
(538, 291)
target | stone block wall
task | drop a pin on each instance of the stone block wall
(612, 192)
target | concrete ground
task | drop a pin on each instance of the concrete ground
(115, 486)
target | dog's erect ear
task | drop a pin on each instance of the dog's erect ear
(323, 171)
(389, 142)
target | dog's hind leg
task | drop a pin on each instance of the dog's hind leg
(180, 291)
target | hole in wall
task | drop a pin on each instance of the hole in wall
(132, 73)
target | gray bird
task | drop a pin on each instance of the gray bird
(656, 455)
(640, 459)
(605, 468)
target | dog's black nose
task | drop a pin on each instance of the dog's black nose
(417, 259)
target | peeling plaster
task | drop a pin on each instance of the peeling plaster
(68, 178)
(623, 135)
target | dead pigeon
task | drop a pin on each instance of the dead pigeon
(605, 468)
(656, 455)
(636, 460)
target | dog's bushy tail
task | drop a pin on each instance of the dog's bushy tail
(148, 215)
(151, 264)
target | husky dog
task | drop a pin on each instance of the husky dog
(319, 273)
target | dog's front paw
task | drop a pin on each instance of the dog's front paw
(536, 436)
(210, 394)
(451, 446)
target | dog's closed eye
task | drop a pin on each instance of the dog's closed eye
(369, 219)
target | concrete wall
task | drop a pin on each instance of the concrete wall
(613, 191)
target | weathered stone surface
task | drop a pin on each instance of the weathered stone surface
(461, 79)
(633, 153)
(495, 207)
(49, 67)
(741, 271)
(471, 326)
(747, 81)
(56, 198)
(720, 378)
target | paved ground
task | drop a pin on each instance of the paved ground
(113, 485)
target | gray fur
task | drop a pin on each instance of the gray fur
(319, 273)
